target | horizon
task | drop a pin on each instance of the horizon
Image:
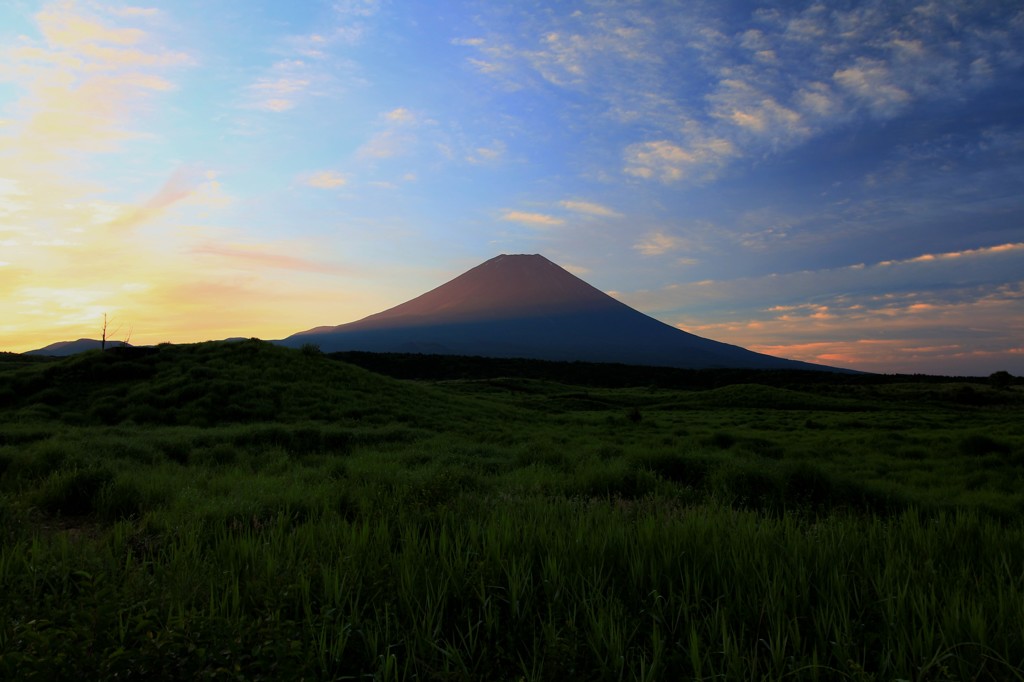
(837, 186)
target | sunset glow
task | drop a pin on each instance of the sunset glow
(840, 186)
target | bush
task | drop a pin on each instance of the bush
(176, 449)
(686, 470)
(120, 500)
(614, 480)
(216, 455)
(977, 445)
(722, 440)
(749, 486)
(806, 486)
(74, 492)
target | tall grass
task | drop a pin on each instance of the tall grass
(527, 589)
(499, 529)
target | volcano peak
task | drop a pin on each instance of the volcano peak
(524, 305)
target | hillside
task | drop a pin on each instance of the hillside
(207, 384)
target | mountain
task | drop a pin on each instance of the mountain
(64, 348)
(526, 306)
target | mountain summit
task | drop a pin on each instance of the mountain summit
(526, 306)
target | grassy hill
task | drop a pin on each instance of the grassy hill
(240, 510)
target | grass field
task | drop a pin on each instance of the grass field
(247, 512)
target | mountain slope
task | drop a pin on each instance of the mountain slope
(65, 348)
(526, 306)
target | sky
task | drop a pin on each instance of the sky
(838, 182)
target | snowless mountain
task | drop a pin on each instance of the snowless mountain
(65, 348)
(525, 306)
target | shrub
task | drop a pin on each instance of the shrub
(977, 445)
(215, 455)
(722, 440)
(176, 449)
(749, 486)
(614, 480)
(687, 470)
(762, 447)
(807, 486)
(120, 500)
(74, 492)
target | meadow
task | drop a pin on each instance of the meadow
(248, 512)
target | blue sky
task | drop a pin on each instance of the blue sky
(834, 182)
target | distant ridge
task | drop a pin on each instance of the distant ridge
(526, 306)
(65, 348)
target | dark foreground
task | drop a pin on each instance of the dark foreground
(241, 511)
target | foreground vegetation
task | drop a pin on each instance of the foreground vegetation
(241, 511)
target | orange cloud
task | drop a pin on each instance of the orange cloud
(657, 243)
(325, 179)
(249, 255)
(589, 208)
(182, 182)
(532, 219)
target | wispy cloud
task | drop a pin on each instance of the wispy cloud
(488, 154)
(589, 208)
(248, 256)
(702, 90)
(532, 219)
(387, 144)
(663, 160)
(281, 88)
(657, 243)
(327, 179)
(398, 134)
(312, 65)
(82, 82)
(400, 115)
(960, 305)
(182, 182)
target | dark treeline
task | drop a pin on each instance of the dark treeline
(606, 375)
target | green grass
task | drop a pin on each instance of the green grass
(314, 520)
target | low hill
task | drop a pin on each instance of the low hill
(211, 383)
(66, 348)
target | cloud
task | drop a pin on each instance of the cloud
(66, 28)
(135, 11)
(699, 90)
(387, 144)
(11, 198)
(261, 256)
(182, 182)
(668, 162)
(400, 115)
(397, 136)
(313, 65)
(327, 179)
(589, 208)
(489, 154)
(577, 270)
(82, 82)
(532, 219)
(871, 81)
(977, 332)
(966, 307)
(280, 90)
(657, 243)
